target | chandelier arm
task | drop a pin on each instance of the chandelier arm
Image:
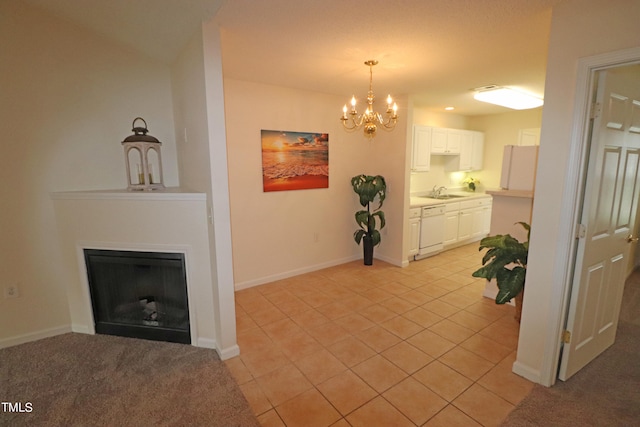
(355, 122)
(389, 126)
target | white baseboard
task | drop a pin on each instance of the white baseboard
(205, 343)
(224, 353)
(82, 329)
(229, 352)
(527, 372)
(34, 336)
(391, 260)
(291, 273)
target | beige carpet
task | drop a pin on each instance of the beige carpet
(605, 393)
(100, 380)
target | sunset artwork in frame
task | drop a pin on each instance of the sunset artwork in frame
(294, 160)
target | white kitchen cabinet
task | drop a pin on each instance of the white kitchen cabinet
(486, 218)
(465, 224)
(466, 151)
(467, 221)
(481, 221)
(477, 150)
(421, 149)
(414, 227)
(451, 221)
(480, 212)
(471, 153)
(446, 141)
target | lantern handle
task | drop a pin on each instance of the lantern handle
(139, 130)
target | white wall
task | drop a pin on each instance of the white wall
(273, 233)
(68, 100)
(579, 28)
(190, 113)
(200, 130)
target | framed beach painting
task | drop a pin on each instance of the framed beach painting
(294, 160)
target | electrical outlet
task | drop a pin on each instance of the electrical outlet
(11, 291)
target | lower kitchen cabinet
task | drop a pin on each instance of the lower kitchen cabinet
(464, 222)
(465, 225)
(451, 222)
(467, 221)
(414, 227)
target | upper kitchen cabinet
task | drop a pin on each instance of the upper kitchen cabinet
(446, 141)
(421, 149)
(477, 150)
(463, 149)
(471, 153)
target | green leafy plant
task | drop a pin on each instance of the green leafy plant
(471, 183)
(505, 261)
(368, 189)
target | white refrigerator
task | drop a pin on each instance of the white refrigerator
(519, 167)
(514, 202)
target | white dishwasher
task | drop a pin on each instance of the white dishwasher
(431, 230)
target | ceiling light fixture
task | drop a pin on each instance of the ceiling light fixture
(370, 119)
(507, 97)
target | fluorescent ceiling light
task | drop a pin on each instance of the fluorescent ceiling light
(507, 97)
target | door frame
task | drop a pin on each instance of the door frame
(571, 208)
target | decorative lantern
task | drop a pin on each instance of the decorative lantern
(143, 159)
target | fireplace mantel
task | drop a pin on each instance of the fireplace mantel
(172, 220)
(171, 193)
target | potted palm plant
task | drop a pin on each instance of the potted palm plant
(506, 261)
(369, 188)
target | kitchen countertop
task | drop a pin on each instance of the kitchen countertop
(512, 193)
(417, 201)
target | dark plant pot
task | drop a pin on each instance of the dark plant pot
(367, 246)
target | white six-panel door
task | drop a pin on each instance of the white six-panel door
(608, 220)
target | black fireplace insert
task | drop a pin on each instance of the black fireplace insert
(139, 294)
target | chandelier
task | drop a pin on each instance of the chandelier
(370, 120)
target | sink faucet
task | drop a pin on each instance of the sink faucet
(437, 192)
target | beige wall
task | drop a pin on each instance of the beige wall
(579, 28)
(274, 233)
(68, 99)
(500, 130)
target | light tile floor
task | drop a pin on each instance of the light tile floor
(379, 345)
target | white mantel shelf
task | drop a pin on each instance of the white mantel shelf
(172, 193)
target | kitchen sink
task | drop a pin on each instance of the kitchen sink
(444, 197)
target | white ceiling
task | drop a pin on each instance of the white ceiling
(434, 50)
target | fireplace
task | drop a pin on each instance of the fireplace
(172, 221)
(139, 294)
